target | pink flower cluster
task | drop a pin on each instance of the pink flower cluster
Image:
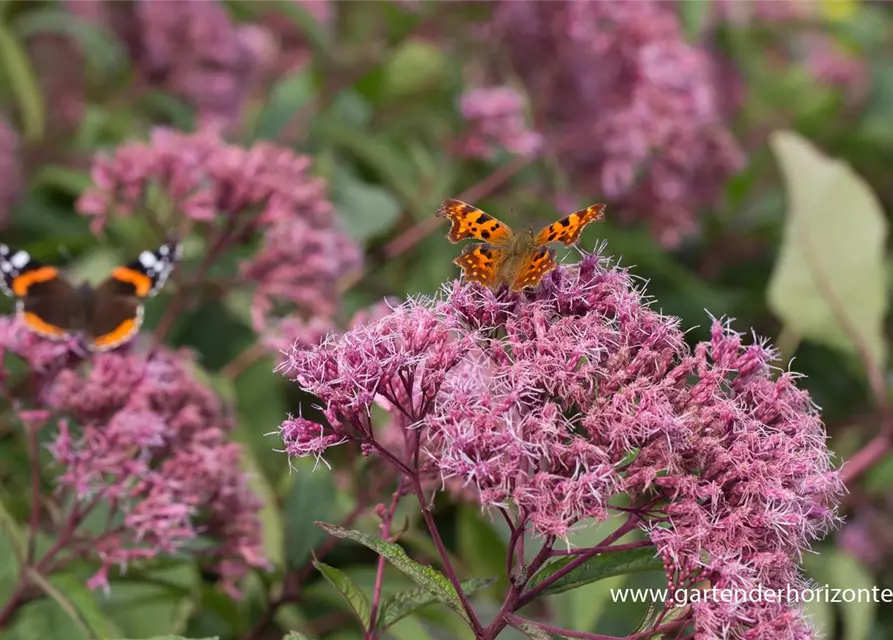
(562, 400)
(264, 188)
(191, 48)
(140, 436)
(495, 121)
(632, 109)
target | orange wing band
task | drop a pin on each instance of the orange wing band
(119, 336)
(142, 282)
(21, 284)
(38, 326)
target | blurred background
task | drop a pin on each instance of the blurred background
(711, 130)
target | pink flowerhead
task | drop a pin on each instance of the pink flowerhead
(631, 106)
(495, 120)
(561, 400)
(142, 436)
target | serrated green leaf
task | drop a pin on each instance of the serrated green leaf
(534, 632)
(352, 594)
(24, 85)
(601, 566)
(424, 576)
(402, 604)
(312, 496)
(829, 280)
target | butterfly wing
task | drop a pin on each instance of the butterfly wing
(480, 263)
(470, 222)
(535, 264)
(568, 229)
(46, 303)
(116, 313)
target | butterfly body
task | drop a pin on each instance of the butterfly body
(104, 316)
(519, 259)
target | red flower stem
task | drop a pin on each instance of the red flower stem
(33, 453)
(622, 530)
(385, 530)
(603, 549)
(444, 556)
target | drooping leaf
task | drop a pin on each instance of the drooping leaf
(829, 282)
(349, 590)
(534, 632)
(601, 566)
(103, 52)
(424, 576)
(400, 605)
(12, 551)
(19, 72)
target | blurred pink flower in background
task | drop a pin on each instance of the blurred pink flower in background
(263, 190)
(10, 170)
(495, 119)
(631, 107)
(560, 400)
(191, 48)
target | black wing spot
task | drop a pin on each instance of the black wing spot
(482, 218)
(564, 222)
(485, 234)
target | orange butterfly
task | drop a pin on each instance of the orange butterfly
(517, 259)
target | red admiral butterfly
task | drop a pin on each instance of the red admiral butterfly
(107, 316)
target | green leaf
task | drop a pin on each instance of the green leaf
(402, 604)
(316, 34)
(377, 154)
(839, 570)
(182, 638)
(694, 15)
(366, 209)
(481, 547)
(73, 596)
(829, 281)
(261, 409)
(153, 602)
(311, 498)
(104, 54)
(270, 516)
(349, 590)
(287, 97)
(65, 180)
(44, 618)
(424, 576)
(534, 632)
(601, 566)
(294, 635)
(415, 66)
(12, 551)
(23, 82)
